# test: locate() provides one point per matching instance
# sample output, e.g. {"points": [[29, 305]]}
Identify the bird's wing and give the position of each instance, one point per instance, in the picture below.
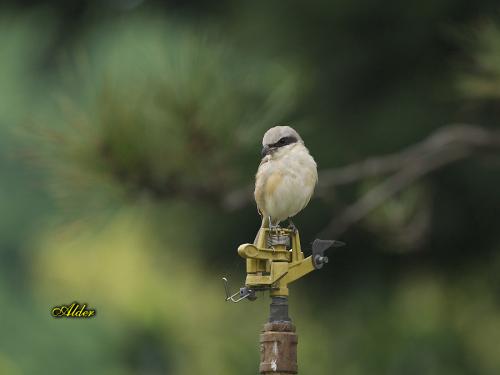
{"points": [[259, 185]]}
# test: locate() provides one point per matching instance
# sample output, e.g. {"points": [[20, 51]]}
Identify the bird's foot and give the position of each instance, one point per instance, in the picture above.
{"points": [[272, 227], [292, 226], [275, 228]]}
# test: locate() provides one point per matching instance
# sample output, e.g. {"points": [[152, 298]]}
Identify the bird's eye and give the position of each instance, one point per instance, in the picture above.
{"points": [[285, 141]]}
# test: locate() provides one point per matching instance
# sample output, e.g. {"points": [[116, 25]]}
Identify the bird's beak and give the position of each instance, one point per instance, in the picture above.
{"points": [[266, 150]]}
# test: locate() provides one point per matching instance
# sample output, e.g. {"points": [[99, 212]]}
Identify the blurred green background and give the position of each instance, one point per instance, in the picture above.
{"points": [[130, 132]]}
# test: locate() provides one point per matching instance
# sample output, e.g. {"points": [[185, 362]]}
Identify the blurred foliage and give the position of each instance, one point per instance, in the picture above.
{"points": [[172, 89], [483, 81], [140, 118], [405, 219]]}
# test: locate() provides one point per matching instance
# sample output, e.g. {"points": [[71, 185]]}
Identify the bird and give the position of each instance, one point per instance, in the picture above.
{"points": [[286, 177]]}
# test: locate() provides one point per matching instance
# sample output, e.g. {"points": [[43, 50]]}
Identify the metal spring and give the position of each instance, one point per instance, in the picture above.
{"points": [[278, 239]]}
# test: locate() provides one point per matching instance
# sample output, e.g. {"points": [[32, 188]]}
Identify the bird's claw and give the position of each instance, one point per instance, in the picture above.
{"points": [[273, 228], [292, 226]]}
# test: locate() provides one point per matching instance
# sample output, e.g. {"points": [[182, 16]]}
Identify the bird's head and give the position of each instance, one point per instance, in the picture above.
{"points": [[279, 138]]}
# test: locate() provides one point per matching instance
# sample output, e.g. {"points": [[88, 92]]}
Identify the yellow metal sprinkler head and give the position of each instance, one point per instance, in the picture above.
{"points": [[275, 260]]}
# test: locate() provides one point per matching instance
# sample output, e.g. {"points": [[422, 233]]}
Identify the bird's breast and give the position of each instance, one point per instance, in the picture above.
{"points": [[285, 184]]}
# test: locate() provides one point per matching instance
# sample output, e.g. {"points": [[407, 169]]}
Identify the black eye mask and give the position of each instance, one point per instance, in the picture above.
{"points": [[284, 141], [268, 149]]}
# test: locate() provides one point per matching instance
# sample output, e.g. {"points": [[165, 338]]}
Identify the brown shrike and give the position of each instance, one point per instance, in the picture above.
{"points": [[286, 177]]}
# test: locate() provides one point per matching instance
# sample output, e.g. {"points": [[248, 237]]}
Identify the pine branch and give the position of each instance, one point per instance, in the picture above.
{"points": [[446, 145]]}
